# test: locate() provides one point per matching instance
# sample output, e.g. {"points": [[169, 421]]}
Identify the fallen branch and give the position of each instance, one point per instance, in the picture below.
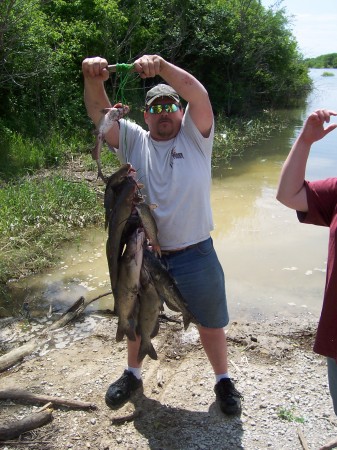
{"points": [[17, 427], [9, 359], [13, 357], [302, 439], [29, 397], [74, 311], [330, 445], [27, 443]]}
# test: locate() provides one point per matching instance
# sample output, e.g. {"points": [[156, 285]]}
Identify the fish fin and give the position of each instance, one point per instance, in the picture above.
{"points": [[121, 332], [186, 320], [119, 335], [130, 332], [155, 330], [105, 110], [146, 349]]}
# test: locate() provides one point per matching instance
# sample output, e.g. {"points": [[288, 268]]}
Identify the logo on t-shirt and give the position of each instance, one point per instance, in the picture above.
{"points": [[175, 155]]}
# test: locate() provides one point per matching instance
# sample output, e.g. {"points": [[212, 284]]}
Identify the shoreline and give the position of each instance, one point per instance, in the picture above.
{"points": [[272, 363]]}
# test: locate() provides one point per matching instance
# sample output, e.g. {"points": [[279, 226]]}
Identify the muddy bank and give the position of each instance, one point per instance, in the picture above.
{"points": [[284, 386]]}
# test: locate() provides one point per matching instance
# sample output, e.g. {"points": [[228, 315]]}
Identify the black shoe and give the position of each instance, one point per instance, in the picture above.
{"points": [[120, 391], [228, 397]]}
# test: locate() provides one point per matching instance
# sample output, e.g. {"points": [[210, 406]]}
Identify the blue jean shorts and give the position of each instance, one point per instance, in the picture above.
{"points": [[201, 281], [332, 376]]}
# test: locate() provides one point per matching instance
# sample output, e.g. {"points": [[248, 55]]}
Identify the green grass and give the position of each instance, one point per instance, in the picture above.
{"points": [[21, 155], [289, 415], [37, 216], [234, 135], [328, 74]]}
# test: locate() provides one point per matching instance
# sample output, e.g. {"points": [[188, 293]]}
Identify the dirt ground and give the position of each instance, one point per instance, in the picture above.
{"points": [[283, 382]]}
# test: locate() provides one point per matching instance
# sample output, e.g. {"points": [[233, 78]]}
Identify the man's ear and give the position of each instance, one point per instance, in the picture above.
{"points": [[145, 116]]}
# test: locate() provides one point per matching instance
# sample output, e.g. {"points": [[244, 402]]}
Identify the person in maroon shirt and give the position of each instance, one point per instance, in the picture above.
{"points": [[316, 203]]}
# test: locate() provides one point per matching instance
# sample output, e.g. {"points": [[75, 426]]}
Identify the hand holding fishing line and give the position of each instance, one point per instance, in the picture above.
{"points": [[112, 68], [147, 66]]}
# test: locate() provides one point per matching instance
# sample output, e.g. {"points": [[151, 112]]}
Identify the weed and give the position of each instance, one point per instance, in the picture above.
{"points": [[234, 135], [328, 74], [36, 216], [289, 416]]}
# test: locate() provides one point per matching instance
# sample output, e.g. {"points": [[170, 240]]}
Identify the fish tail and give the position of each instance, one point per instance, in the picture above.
{"points": [[155, 330], [186, 320], [122, 331], [120, 334], [146, 348]]}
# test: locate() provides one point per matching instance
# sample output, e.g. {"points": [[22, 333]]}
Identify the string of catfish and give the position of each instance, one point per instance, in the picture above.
{"points": [[139, 282]]}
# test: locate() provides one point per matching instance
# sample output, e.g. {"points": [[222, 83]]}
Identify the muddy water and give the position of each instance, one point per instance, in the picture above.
{"points": [[273, 264]]}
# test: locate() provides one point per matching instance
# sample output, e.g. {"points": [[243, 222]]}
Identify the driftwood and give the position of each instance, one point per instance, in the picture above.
{"points": [[330, 445], [11, 358], [74, 311], [302, 439], [29, 397], [14, 429], [14, 356]]}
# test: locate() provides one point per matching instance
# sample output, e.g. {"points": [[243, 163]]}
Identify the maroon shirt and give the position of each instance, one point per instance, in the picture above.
{"points": [[322, 203]]}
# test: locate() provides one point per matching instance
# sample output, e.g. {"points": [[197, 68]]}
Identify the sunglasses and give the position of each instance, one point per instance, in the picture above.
{"points": [[158, 109]]}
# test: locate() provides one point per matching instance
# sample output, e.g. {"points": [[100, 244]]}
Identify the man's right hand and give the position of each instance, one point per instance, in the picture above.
{"points": [[95, 69]]}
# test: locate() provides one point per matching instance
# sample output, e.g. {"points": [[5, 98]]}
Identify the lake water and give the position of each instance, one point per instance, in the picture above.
{"points": [[273, 264]]}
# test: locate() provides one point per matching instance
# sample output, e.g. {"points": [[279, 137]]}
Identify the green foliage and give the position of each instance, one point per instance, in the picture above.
{"points": [[36, 216], [44, 202], [289, 416], [233, 135], [21, 155], [249, 58], [328, 61], [244, 54]]}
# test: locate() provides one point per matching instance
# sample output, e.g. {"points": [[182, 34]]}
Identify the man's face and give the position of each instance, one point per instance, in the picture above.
{"points": [[164, 125]]}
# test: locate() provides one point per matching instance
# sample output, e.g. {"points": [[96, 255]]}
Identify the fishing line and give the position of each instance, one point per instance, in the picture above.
{"points": [[123, 72]]}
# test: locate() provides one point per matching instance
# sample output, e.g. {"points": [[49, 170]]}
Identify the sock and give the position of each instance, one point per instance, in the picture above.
{"points": [[221, 376], [137, 371]]}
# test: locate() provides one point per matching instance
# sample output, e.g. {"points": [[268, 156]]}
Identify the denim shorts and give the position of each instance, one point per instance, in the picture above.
{"points": [[332, 376], [201, 281]]}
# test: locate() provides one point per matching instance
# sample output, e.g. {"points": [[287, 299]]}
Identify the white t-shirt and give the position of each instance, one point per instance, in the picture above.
{"points": [[176, 175]]}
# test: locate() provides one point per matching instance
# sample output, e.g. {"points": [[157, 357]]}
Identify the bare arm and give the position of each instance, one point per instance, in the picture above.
{"points": [[185, 84], [148, 66], [291, 191], [95, 98]]}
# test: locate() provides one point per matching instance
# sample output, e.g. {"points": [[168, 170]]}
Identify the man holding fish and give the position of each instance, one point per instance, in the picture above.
{"points": [[173, 160]]}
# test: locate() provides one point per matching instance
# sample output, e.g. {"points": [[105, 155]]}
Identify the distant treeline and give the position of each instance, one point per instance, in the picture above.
{"points": [[328, 61]]}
